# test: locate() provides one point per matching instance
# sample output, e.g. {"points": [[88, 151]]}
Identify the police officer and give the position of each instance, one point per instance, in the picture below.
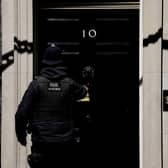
{"points": [[46, 112]]}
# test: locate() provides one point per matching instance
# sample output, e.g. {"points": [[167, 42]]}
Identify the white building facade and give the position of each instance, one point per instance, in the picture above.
{"points": [[17, 25]]}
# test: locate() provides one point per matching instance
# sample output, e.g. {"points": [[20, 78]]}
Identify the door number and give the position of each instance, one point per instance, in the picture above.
{"points": [[90, 33]]}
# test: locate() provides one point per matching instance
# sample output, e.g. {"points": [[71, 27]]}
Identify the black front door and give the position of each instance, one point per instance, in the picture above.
{"points": [[108, 41]]}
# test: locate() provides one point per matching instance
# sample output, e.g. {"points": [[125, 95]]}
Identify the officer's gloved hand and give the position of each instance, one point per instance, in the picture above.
{"points": [[36, 160], [88, 74]]}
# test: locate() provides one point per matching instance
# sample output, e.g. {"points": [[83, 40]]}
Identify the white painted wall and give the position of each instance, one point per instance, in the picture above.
{"points": [[8, 147], [151, 121], [24, 62], [165, 85], [16, 21]]}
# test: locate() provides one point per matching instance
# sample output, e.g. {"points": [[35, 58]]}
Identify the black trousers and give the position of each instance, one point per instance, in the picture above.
{"points": [[52, 155]]}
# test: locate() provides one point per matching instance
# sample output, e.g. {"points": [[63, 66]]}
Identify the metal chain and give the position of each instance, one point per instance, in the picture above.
{"points": [[20, 47]]}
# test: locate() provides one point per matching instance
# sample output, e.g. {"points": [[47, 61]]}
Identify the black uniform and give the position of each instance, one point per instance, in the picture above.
{"points": [[46, 112]]}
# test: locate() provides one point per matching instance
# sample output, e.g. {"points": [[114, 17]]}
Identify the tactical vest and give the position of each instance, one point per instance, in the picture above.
{"points": [[51, 119]]}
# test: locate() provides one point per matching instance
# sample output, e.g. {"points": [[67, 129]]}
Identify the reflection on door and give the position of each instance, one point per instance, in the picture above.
{"points": [[107, 124]]}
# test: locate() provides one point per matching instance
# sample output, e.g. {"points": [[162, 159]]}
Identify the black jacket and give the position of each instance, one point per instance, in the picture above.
{"points": [[36, 111]]}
